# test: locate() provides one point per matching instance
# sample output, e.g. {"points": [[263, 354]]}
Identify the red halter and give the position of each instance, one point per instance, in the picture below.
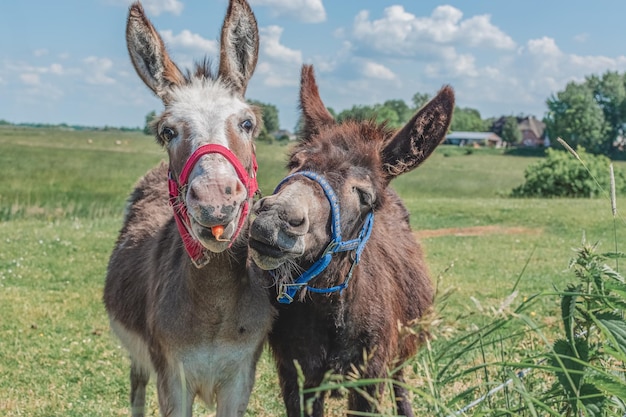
{"points": [[197, 252]]}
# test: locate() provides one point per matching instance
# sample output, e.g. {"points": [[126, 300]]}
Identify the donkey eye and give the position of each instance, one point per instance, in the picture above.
{"points": [[365, 198], [247, 125], [168, 134]]}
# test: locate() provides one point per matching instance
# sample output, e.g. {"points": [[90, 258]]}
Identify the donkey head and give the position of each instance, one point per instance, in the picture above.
{"points": [[207, 128], [357, 160]]}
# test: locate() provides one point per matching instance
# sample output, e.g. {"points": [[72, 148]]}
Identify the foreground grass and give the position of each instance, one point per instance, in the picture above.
{"points": [[61, 203]]}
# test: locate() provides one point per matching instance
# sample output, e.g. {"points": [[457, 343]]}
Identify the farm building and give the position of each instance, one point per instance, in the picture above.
{"points": [[474, 139], [533, 131]]}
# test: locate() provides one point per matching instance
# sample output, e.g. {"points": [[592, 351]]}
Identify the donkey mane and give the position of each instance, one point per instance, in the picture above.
{"points": [[203, 70]]}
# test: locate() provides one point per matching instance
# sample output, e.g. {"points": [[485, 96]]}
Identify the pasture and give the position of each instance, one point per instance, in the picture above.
{"points": [[62, 196]]}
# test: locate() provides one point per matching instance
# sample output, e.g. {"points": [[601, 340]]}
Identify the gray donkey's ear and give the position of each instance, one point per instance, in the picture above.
{"points": [[417, 140], [239, 48], [148, 54]]}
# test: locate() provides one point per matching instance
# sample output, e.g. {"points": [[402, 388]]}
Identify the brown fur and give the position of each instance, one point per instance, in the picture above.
{"points": [[199, 329], [390, 287]]}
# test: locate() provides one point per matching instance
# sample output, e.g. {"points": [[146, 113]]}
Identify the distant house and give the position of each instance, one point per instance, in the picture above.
{"points": [[533, 131], [475, 139], [284, 133]]}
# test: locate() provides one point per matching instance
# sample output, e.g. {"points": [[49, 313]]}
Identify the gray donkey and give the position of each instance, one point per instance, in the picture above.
{"points": [[177, 292]]}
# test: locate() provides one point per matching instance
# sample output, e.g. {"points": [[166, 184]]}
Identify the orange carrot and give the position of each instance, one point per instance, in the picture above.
{"points": [[218, 231]]}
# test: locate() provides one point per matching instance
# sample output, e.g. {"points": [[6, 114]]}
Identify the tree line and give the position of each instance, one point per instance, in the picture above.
{"points": [[589, 114]]}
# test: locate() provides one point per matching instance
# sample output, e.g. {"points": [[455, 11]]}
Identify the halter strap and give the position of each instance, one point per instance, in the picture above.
{"points": [[287, 292], [199, 254]]}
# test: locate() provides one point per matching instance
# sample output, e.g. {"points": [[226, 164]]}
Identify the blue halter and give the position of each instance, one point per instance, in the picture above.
{"points": [[287, 292]]}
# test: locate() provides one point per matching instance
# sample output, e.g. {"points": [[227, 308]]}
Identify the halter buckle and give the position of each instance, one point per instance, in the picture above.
{"points": [[330, 248], [283, 297]]}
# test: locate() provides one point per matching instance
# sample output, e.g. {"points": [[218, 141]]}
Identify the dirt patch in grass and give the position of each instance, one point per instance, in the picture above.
{"points": [[477, 231]]}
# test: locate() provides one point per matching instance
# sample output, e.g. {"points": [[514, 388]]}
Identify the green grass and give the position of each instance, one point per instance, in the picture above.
{"points": [[62, 196]]}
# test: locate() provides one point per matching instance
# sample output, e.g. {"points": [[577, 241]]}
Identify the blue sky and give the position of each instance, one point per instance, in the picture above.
{"points": [[65, 61]]}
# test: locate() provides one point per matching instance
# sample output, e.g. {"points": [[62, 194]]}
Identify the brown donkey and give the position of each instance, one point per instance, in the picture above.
{"points": [[177, 292], [364, 277]]}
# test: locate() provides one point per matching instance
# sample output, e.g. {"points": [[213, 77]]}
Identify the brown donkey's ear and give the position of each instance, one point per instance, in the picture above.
{"points": [[148, 54], [239, 48], [314, 113], [420, 136]]}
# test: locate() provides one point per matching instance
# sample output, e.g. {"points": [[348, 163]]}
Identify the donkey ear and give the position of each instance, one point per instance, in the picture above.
{"points": [[314, 114], [420, 136], [239, 48], [148, 54]]}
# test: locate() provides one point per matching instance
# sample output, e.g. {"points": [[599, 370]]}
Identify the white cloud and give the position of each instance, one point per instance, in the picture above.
{"points": [[30, 79], [478, 31], [156, 7], [308, 11], [191, 41], [271, 46], [402, 33], [545, 47], [96, 72], [521, 82], [279, 65], [379, 71], [40, 52], [56, 69]]}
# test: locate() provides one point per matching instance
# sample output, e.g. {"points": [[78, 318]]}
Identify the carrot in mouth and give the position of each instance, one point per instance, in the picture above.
{"points": [[218, 231]]}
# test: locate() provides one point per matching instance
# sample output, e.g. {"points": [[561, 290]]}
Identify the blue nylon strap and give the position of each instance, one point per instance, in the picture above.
{"points": [[288, 291]]}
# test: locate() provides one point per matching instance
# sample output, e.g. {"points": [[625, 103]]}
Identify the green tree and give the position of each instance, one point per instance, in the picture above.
{"points": [[419, 99], [387, 115], [270, 116], [510, 131], [466, 119], [575, 115], [401, 109], [357, 112], [147, 129], [609, 92], [271, 122]]}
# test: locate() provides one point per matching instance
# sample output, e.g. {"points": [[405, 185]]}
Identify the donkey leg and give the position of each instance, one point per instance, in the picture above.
{"points": [[359, 403], [175, 398], [402, 397], [291, 394], [138, 380], [233, 395]]}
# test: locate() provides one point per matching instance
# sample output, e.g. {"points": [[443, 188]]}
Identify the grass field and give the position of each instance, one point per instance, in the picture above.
{"points": [[62, 195]]}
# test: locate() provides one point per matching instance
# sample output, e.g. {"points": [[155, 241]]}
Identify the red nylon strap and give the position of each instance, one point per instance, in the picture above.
{"points": [[196, 251], [249, 182]]}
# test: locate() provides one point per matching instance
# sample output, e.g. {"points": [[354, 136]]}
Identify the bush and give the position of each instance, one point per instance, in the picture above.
{"points": [[562, 175]]}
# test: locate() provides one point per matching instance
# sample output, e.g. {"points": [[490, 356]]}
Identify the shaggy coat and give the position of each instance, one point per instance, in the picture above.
{"points": [[365, 330], [199, 325]]}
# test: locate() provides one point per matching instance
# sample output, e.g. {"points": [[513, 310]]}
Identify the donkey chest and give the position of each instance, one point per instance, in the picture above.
{"points": [[204, 318], [319, 335]]}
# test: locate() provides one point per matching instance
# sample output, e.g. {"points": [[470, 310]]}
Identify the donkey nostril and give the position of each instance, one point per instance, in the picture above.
{"points": [[260, 206], [192, 194], [239, 188], [296, 222]]}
